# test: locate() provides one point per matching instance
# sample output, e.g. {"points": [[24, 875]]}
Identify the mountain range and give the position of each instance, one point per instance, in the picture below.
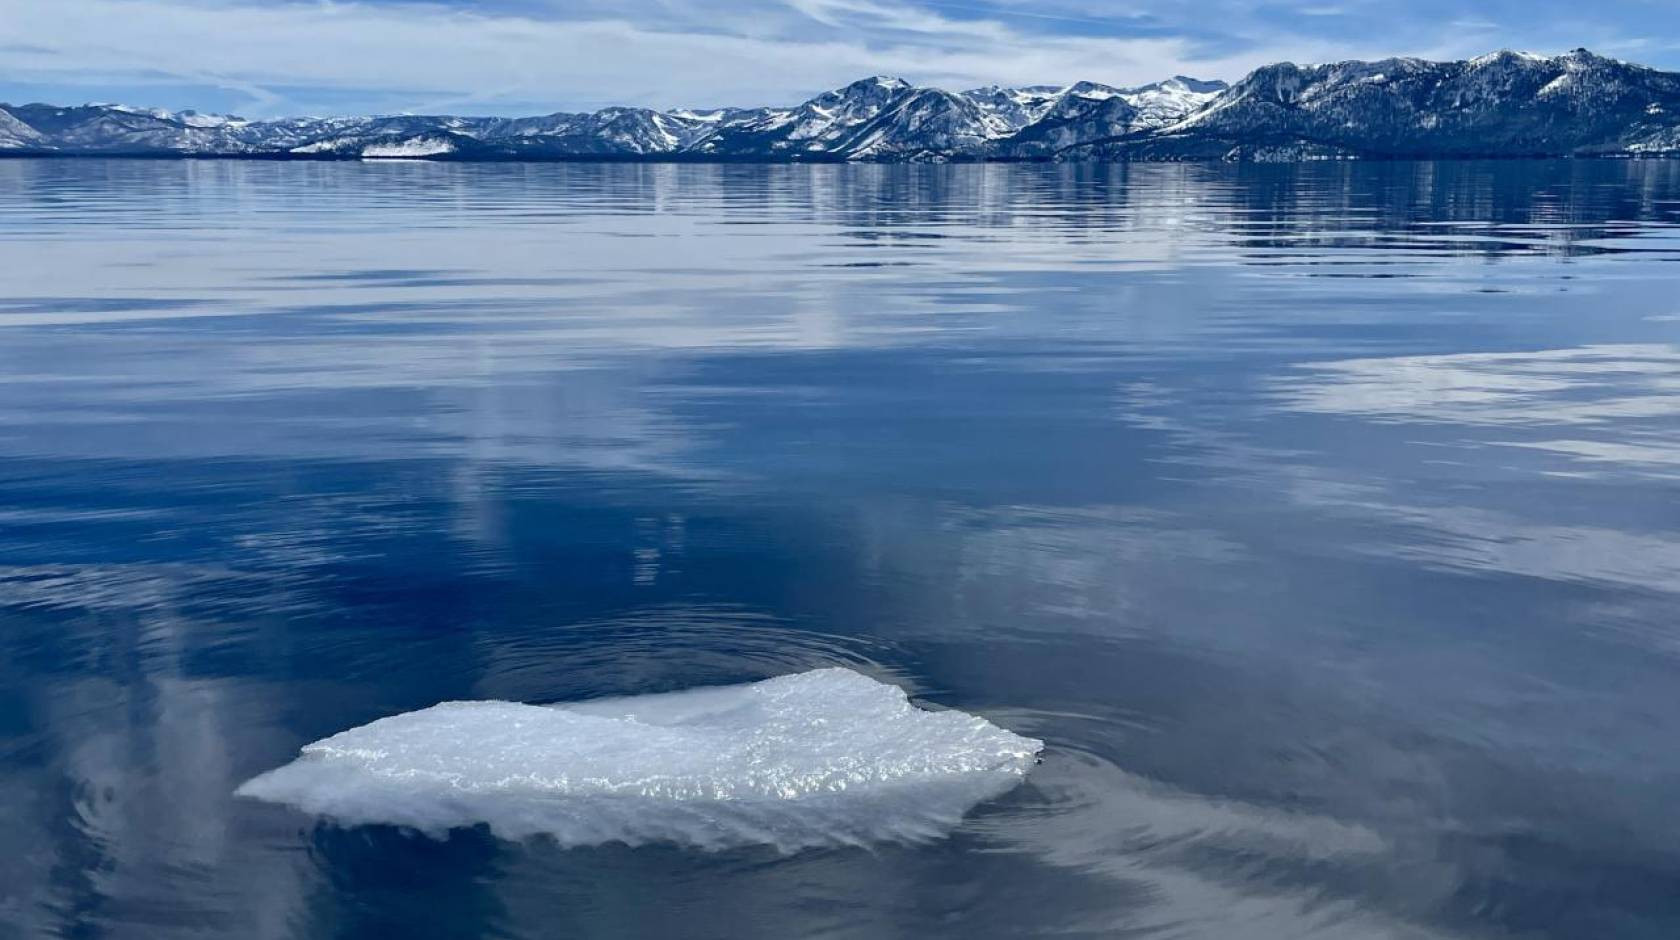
{"points": [[1506, 104]]}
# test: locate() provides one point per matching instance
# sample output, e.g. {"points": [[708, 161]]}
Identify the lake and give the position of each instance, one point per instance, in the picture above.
{"points": [[1320, 519]]}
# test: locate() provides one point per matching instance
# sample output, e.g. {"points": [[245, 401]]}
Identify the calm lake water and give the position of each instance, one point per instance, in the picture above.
{"points": [[1321, 520]]}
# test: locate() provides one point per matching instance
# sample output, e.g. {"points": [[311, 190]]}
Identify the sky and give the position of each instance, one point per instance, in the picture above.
{"points": [[270, 58]]}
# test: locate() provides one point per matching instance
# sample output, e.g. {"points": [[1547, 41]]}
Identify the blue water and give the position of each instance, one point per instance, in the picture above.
{"points": [[1321, 520]]}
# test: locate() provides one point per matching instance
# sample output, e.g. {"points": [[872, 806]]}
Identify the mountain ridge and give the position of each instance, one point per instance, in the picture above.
{"points": [[1506, 103]]}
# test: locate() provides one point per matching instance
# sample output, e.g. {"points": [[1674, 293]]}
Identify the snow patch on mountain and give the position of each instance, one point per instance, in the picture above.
{"points": [[409, 149]]}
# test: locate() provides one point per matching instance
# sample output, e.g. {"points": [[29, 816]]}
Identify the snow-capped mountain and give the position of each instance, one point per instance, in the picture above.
{"points": [[875, 118], [1017, 107], [1171, 101], [616, 132], [1504, 104], [1087, 111]]}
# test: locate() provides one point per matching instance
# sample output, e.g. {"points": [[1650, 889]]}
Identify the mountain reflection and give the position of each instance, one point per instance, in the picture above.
{"points": [[1318, 517]]}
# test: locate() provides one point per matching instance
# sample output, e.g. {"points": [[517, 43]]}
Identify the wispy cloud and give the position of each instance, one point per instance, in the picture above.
{"points": [[524, 55]]}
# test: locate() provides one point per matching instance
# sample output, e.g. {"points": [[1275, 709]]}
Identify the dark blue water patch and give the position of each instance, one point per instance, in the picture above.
{"points": [[375, 275], [61, 305], [1317, 518]]}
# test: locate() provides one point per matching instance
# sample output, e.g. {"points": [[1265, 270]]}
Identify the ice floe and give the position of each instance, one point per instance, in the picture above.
{"points": [[820, 758]]}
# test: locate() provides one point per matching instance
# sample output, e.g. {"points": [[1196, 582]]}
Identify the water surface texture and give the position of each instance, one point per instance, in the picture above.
{"points": [[1321, 520]]}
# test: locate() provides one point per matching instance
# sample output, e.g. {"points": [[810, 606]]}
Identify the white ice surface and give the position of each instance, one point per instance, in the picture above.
{"points": [[827, 757]]}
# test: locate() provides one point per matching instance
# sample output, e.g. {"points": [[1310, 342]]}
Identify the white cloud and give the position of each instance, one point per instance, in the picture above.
{"points": [[432, 56]]}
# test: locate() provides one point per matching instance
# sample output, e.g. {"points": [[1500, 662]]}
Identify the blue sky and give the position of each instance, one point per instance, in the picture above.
{"points": [[264, 58]]}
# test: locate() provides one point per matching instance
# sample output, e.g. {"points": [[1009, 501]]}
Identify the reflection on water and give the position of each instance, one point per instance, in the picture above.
{"points": [[1319, 519]]}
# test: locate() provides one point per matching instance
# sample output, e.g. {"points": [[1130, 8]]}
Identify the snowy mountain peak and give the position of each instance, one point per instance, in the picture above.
{"points": [[1195, 85], [874, 85], [1181, 85], [706, 115], [188, 118], [1091, 90], [1029, 90], [1508, 56]]}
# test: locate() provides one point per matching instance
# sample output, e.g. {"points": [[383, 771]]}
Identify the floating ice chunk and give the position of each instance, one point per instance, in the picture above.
{"points": [[827, 757]]}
